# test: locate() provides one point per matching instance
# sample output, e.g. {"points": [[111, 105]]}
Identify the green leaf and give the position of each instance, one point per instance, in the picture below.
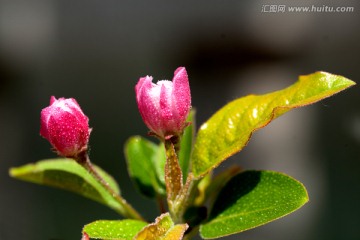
{"points": [[162, 229], [229, 129], [146, 161], [159, 163], [69, 175], [251, 199], [219, 182], [186, 145], [108, 229]]}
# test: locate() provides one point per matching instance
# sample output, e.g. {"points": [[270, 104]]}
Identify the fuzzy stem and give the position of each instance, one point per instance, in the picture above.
{"points": [[173, 178], [160, 203], [128, 211]]}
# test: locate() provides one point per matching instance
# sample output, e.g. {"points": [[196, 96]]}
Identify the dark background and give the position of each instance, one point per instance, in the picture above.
{"points": [[95, 51]]}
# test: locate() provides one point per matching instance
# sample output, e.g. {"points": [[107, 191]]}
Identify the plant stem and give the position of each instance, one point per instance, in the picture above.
{"points": [[175, 140], [186, 196], [173, 178], [128, 211], [160, 202]]}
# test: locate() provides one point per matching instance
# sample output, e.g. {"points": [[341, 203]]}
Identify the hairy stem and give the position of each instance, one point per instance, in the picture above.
{"points": [[127, 210]]}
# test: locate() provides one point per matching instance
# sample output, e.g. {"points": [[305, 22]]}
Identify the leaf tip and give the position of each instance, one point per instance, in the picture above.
{"points": [[12, 172], [336, 80], [16, 172]]}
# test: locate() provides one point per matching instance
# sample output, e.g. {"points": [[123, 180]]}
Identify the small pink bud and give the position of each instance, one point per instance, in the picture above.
{"points": [[65, 126], [164, 106], [85, 236]]}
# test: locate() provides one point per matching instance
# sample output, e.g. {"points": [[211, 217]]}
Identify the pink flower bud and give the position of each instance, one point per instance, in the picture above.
{"points": [[85, 236], [65, 126], [164, 106]]}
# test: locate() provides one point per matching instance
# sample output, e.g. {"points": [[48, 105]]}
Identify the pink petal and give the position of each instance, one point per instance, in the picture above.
{"points": [[182, 92], [77, 112], [66, 134], [169, 115], [65, 126], [140, 84], [52, 100], [149, 106], [44, 118]]}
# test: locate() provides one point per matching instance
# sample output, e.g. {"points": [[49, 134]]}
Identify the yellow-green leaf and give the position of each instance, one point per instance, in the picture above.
{"points": [[114, 229], [162, 229], [69, 175], [229, 129], [176, 232], [157, 229]]}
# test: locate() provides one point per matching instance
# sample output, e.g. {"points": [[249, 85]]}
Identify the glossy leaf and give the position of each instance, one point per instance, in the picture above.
{"points": [[108, 229], [69, 175], [229, 129], [163, 228], [159, 163], [250, 199], [218, 182], [146, 161], [186, 145]]}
